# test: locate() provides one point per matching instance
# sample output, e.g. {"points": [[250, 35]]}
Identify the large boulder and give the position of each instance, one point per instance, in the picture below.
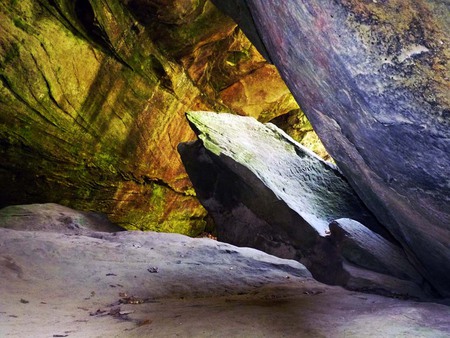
{"points": [[373, 79], [266, 191]]}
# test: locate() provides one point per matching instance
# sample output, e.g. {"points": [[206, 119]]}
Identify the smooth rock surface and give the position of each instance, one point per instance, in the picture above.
{"points": [[53, 217], [137, 284], [373, 79], [266, 191], [362, 247], [373, 263]]}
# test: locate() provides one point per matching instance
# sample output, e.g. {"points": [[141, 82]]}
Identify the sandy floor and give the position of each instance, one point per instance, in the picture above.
{"points": [[55, 283]]}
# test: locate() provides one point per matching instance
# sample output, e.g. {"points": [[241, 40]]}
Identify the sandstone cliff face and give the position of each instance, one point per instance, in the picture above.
{"points": [[93, 96]]}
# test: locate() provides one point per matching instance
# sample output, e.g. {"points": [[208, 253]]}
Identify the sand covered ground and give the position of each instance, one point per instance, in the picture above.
{"points": [[60, 277]]}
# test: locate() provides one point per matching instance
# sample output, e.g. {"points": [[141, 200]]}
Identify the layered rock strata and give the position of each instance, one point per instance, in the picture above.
{"points": [[92, 102]]}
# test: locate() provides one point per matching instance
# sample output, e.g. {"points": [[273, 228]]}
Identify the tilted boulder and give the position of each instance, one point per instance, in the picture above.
{"points": [[266, 191], [373, 79]]}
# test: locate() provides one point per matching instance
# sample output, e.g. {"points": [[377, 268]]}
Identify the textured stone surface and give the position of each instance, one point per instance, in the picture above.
{"points": [[372, 262], [313, 188], [373, 79], [92, 102], [52, 217], [266, 191], [362, 247], [60, 284]]}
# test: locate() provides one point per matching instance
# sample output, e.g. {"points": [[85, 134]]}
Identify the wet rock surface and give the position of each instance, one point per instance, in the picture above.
{"points": [[266, 191], [135, 284], [373, 79]]}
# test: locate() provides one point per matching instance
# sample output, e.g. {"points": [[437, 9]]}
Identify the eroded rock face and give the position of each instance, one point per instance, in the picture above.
{"points": [[373, 79], [266, 191], [93, 96]]}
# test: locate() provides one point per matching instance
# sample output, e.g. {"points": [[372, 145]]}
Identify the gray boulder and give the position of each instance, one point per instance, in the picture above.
{"points": [[266, 191], [51, 217], [370, 260]]}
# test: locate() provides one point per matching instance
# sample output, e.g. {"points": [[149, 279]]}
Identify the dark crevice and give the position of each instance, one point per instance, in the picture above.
{"points": [[94, 31], [8, 86], [162, 183], [56, 11], [161, 74], [144, 12], [127, 176], [86, 16]]}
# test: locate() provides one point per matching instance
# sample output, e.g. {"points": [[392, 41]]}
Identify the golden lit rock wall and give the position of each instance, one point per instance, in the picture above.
{"points": [[93, 96]]}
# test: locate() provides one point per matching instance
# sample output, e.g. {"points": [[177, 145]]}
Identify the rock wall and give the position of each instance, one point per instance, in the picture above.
{"points": [[93, 95], [373, 79]]}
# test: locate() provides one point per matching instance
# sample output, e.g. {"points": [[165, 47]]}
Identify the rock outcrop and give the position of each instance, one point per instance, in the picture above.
{"points": [[54, 283], [266, 191], [373, 79], [51, 217], [92, 102]]}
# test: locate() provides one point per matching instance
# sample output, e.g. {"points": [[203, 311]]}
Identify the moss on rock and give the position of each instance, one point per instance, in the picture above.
{"points": [[93, 96]]}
